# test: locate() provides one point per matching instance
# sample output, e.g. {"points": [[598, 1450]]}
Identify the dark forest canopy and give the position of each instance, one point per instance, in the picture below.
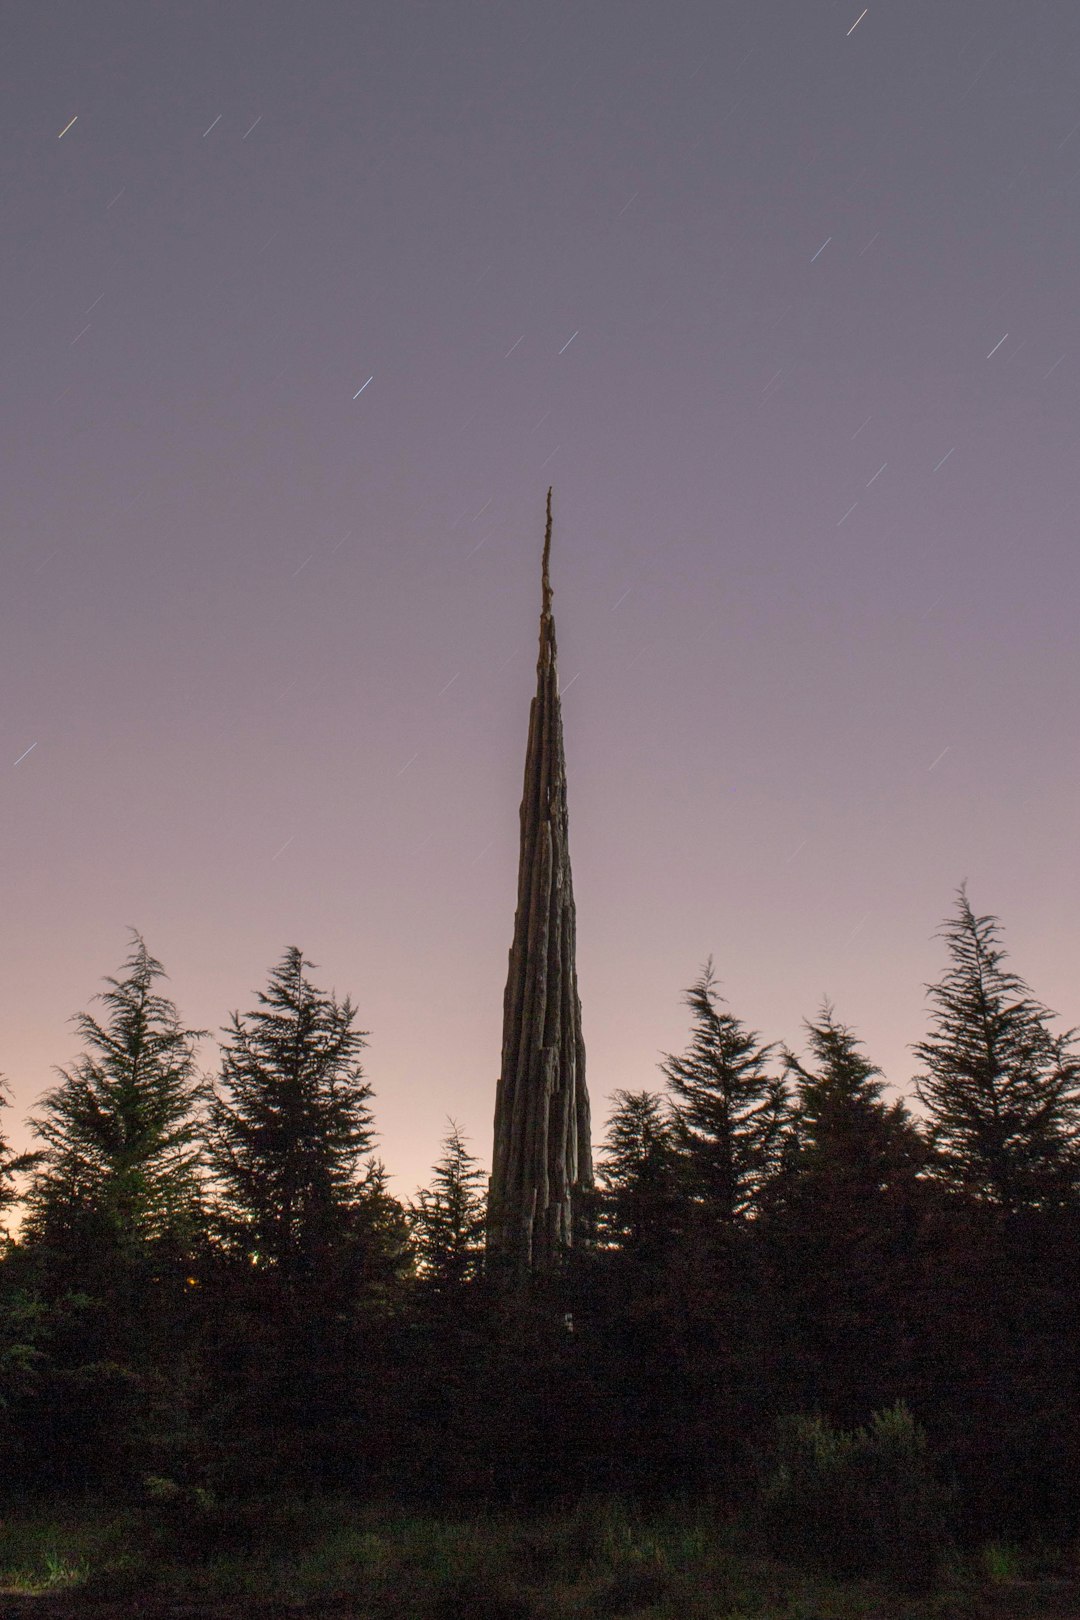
{"points": [[214, 1286]]}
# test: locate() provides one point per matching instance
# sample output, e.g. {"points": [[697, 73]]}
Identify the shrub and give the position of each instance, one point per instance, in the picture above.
{"points": [[859, 1502], [468, 1599]]}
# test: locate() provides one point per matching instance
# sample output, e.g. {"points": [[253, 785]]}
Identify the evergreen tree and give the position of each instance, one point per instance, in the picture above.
{"points": [[290, 1124], [448, 1218], [841, 1234], [841, 1126], [636, 1173], [113, 1228], [11, 1164], [381, 1236], [1002, 1091], [121, 1131], [730, 1112], [312, 1243]]}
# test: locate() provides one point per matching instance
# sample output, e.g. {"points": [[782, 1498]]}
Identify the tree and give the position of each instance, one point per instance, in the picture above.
{"points": [[637, 1174], [841, 1236], [1002, 1091], [448, 1218], [730, 1113], [113, 1227], [11, 1164], [310, 1240], [290, 1124], [444, 1354], [842, 1128], [121, 1132]]}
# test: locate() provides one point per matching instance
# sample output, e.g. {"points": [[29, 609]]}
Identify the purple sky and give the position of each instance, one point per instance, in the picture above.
{"points": [[783, 302]]}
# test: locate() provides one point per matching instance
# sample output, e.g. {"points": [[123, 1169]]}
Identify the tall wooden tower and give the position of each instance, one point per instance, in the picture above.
{"points": [[542, 1160]]}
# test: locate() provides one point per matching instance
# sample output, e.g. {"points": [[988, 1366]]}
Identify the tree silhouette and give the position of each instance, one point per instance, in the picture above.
{"points": [[841, 1233], [11, 1164], [637, 1174], [730, 1112], [290, 1124], [1002, 1091], [114, 1226], [841, 1126], [448, 1218], [121, 1131]]}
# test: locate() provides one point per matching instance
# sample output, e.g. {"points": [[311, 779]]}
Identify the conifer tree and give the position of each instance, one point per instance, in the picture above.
{"points": [[842, 1127], [840, 1239], [11, 1164], [290, 1124], [121, 1131], [113, 1227], [636, 1173], [448, 1218], [730, 1111], [380, 1233], [1002, 1091]]}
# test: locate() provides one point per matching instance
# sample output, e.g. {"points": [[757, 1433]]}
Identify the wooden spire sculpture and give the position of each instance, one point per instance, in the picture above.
{"points": [[542, 1159]]}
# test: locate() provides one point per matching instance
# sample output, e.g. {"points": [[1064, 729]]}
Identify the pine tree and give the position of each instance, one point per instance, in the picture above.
{"points": [[121, 1132], [730, 1112], [842, 1128], [290, 1124], [448, 1218], [841, 1237], [380, 1236], [1001, 1090], [637, 1174], [113, 1229], [11, 1164]]}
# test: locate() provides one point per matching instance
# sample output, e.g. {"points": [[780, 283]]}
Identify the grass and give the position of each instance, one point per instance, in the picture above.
{"points": [[599, 1561]]}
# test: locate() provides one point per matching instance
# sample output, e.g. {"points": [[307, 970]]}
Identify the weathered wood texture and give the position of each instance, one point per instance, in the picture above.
{"points": [[542, 1159]]}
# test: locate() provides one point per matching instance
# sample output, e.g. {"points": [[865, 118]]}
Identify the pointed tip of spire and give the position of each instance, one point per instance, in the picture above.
{"points": [[546, 610]]}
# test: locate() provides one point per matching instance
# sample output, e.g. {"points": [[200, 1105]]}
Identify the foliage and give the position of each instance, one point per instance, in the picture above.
{"points": [[121, 1132], [448, 1218], [855, 1502], [1002, 1091], [841, 1234], [841, 1126], [11, 1164], [290, 1124], [638, 1174], [730, 1112], [769, 1240], [598, 1557]]}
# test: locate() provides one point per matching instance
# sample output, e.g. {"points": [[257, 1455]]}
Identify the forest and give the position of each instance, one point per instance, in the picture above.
{"points": [[793, 1305]]}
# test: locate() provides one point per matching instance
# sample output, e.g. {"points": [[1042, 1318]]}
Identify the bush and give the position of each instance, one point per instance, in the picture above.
{"points": [[854, 1503], [469, 1599]]}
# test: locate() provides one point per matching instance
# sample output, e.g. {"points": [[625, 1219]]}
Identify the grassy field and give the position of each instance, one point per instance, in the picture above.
{"points": [[180, 1554]]}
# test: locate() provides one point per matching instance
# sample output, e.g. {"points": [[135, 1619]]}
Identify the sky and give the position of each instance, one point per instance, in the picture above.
{"points": [[305, 305]]}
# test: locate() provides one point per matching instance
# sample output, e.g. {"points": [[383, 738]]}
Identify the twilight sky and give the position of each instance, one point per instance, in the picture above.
{"points": [[302, 314]]}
